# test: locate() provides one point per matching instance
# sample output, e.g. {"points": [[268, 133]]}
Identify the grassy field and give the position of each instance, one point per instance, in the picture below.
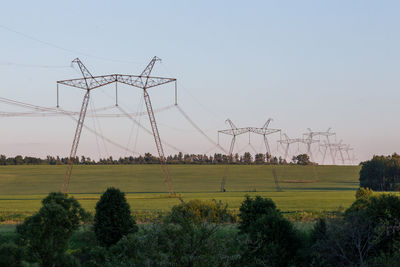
{"points": [[305, 188]]}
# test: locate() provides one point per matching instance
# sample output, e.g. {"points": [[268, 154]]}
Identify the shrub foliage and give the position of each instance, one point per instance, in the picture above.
{"points": [[113, 218], [46, 234]]}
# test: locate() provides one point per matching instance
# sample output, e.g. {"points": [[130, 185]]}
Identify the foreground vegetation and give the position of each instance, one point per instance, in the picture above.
{"points": [[308, 191], [203, 233]]}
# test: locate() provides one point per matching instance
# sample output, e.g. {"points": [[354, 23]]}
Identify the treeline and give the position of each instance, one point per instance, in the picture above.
{"points": [[381, 173], [203, 233], [180, 158]]}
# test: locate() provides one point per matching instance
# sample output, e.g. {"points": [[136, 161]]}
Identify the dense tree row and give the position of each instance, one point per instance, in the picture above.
{"points": [[381, 173], [147, 158], [204, 233]]}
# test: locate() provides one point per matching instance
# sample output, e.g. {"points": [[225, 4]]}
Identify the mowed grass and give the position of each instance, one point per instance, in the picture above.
{"points": [[305, 188]]}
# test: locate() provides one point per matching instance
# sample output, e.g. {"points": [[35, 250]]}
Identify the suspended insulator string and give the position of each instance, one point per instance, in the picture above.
{"points": [[198, 128], [147, 130]]}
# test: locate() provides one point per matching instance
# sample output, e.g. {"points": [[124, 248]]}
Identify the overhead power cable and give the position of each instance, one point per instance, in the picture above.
{"points": [[198, 128], [147, 130], [2, 63], [103, 137], [63, 48]]}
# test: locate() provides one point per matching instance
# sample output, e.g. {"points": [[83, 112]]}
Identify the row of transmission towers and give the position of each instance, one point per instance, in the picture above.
{"points": [[313, 142], [325, 141]]}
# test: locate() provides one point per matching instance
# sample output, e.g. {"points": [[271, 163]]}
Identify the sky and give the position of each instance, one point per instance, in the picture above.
{"points": [[306, 64]]}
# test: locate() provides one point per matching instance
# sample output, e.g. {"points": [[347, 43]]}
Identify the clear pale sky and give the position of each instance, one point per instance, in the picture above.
{"points": [[306, 64]]}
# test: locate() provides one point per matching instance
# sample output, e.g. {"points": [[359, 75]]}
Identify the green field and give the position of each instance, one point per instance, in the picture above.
{"points": [[305, 188]]}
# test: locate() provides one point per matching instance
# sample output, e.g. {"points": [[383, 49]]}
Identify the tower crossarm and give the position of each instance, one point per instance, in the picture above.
{"points": [[264, 131], [234, 132], [309, 140], [90, 83], [291, 141], [132, 80], [312, 134], [143, 81]]}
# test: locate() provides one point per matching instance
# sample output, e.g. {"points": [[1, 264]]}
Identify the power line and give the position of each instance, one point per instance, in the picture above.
{"points": [[75, 52], [14, 64]]}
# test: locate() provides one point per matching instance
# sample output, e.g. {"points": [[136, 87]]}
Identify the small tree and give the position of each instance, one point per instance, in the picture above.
{"points": [[113, 218], [272, 239], [364, 193], [10, 254], [201, 211], [302, 159], [252, 209], [46, 233]]}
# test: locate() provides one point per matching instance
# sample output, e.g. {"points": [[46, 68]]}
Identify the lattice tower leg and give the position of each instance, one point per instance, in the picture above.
{"points": [[331, 152], [223, 181], [75, 143], [286, 151], [267, 145], [157, 139], [323, 157]]}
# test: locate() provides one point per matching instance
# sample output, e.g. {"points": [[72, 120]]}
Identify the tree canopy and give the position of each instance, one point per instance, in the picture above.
{"points": [[381, 173]]}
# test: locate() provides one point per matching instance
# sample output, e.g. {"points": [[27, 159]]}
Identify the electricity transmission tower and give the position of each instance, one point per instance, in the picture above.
{"points": [[335, 147], [344, 148], [234, 131], [264, 131], [143, 81], [347, 149], [311, 134], [288, 141]]}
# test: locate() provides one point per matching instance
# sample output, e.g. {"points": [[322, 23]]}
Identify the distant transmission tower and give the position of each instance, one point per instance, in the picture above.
{"points": [[310, 136], [347, 149], [335, 148], [344, 148], [264, 131], [234, 131], [288, 141]]}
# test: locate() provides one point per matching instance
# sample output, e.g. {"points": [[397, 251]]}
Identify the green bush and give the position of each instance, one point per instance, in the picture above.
{"points": [[113, 218], [364, 193], [368, 234], [198, 211], [81, 244], [252, 209], [46, 234], [11, 254], [272, 239], [167, 244]]}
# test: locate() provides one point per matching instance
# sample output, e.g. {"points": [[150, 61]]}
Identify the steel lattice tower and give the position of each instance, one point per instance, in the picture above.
{"points": [[143, 81]]}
